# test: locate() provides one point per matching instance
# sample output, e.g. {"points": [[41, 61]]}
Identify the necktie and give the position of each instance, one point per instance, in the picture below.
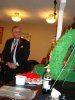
{"points": [[14, 45], [13, 49]]}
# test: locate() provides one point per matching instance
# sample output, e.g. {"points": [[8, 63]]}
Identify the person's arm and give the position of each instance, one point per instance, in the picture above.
{"points": [[5, 52]]}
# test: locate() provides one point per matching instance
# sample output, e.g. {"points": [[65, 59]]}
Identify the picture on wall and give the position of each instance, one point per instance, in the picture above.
{"points": [[1, 34]]}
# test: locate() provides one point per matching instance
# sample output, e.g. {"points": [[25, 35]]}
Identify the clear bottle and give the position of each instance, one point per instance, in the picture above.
{"points": [[47, 82]]}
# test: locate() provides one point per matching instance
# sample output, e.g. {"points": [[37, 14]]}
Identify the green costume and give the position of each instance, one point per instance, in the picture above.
{"points": [[64, 51]]}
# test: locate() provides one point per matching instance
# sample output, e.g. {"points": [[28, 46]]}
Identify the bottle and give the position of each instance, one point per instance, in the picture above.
{"points": [[47, 82]]}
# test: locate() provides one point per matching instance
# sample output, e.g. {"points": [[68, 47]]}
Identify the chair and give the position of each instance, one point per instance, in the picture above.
{"points": [[32, 63]]}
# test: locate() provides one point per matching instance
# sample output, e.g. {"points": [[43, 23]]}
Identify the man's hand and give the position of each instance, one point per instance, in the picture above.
{"points": [[11, 65]]}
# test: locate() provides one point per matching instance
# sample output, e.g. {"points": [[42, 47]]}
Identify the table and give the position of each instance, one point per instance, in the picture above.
{"points": [[67, 88]]}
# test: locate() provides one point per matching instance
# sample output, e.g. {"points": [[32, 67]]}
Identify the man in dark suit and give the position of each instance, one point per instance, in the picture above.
{"points": [[15, 55]]}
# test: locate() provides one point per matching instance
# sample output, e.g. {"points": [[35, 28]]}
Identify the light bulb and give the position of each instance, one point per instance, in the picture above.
{"points": [[16, 17]]}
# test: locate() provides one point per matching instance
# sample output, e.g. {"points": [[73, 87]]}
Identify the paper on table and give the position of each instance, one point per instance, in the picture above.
{"points": [[55, 94], [17, 92]]}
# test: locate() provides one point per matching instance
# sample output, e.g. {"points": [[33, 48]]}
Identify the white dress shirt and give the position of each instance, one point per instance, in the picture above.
{"points": [[15, 42]]}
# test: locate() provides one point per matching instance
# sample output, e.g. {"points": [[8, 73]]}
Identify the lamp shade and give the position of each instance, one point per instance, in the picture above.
{"points": [[16, 17]]}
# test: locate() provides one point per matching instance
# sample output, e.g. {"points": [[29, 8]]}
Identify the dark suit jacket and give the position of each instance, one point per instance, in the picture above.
{"points": [[22, 51]]}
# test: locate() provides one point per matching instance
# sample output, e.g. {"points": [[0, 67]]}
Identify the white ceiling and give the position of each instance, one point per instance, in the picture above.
{"points": [[34, 11]]}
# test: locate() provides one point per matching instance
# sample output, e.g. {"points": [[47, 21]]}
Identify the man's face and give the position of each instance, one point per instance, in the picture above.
{"points": [[16, 32]]}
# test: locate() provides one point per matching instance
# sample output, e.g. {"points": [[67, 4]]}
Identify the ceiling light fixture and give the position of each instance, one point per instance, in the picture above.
{"points": [[16, 17], [52, 17]]}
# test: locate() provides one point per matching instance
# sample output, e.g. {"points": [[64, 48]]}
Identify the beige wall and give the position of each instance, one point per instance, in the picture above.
{"points": [[41, 36]]}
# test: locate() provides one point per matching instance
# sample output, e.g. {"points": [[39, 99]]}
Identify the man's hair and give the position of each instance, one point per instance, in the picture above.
{"points": [[15, 27]]}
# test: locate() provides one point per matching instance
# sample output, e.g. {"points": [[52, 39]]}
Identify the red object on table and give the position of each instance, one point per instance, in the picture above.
{"points": [[30, 75]]}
